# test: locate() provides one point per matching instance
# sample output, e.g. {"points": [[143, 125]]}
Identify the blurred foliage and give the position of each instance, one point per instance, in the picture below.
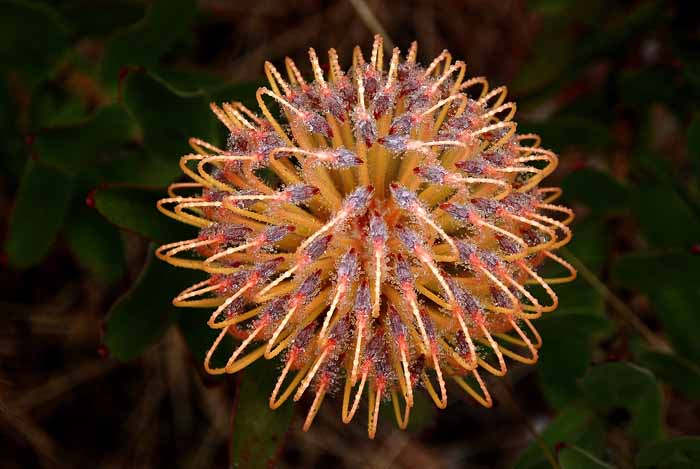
{"points": [[97, 105]]}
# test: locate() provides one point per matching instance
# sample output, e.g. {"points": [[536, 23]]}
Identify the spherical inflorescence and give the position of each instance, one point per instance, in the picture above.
{"points": [[384, 233]]}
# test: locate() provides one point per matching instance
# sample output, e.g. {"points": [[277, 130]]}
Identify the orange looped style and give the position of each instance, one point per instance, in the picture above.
{"points": [[382, 226]]}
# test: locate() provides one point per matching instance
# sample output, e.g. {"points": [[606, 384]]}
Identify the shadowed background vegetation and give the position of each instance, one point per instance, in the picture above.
{"points": [[97, 101]]}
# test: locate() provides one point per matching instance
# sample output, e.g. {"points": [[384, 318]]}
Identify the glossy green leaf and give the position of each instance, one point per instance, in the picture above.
{"points": [[79, 147], [140, 317], [89, 18], [676, 308], [132, 166], [549, 60], [682, 374], [665, 218], [573, 457], [51, 107], [562, 132], [589, 247], [96, 244], [258, 432], [675, 453], [647, 272], [134, 208], [694, 139], [165, 23], [242, 92], [12, 146], [670, 280], [573, 425], [568, 341], [192, 324], [41, 206], [643, 87], [610, 40], [597, 190], [612, 386], [34, 39], [166, 119]]}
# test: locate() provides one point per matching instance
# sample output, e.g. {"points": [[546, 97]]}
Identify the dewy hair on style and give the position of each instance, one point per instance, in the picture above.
{"points": [[378, 230]]}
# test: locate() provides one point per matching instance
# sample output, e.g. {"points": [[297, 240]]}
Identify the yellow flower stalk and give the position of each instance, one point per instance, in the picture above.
{"points": [[378, 230]]}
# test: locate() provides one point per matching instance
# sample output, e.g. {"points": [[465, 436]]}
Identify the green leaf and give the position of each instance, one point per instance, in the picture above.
{"points": [[12, 145], [612, 38], [96, 244], [642, 87], [166, 119], [549, 60], [258, 432], [192, 324], [75, 148], [52, 107], [34, 39], [647, 272], [40, 208], [572, 425], [100, 19], [675, 453], [132, 166], [670, 280], [694, 139], [573, 457], [676, 308], [565, 355], [140, 317], [612, 386], [589, 246], [165, 23], [682, 374], [134, 208], [665, 218], [562, 132], [243, 92], [596, 189]]}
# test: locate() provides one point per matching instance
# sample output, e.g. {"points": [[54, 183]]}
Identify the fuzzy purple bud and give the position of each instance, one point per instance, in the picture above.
{"points": [[395, 143], [377, 229], [276, 308], [409, 238], [315, 123], [358, 200], [403, 124], [383, 101], [342, 158], [309, 286], [473, 167], [403, 272], [466, 250], [432, 173], [298, 193], [486, 207], [459, 212], [403, 197], [398, 328], [365, 126], [347, 268], [363, 302], [317, 247]]}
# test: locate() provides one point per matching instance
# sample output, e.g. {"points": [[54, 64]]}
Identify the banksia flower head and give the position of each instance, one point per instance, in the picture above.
{"points": [[378, 230]]}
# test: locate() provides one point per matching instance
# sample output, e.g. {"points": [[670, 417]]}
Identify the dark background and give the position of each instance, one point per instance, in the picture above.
{"points": [[97, 100]]}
